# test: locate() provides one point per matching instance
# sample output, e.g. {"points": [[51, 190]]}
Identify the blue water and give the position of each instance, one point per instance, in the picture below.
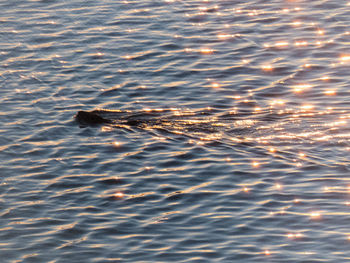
{"points": [[270, 184]]}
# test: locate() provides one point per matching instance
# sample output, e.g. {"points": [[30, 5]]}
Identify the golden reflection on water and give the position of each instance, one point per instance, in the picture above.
{"points": [[207, 51], [225, 36], [301, 43], [246, 189], [272, 149], [294, 235], [278, 102], [330, 92], [278, 44], [116, 144], [301, 121], [293, 126], [267, 67], [301, 87], [118, 195], [315, 215], [278, 186], [296, 23], [345, 58], [215, 85], [255, 164], [293, 123], [296, 201]]}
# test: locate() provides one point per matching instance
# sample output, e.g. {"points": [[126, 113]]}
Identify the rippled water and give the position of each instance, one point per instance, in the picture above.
{"points": [[255, 168]]}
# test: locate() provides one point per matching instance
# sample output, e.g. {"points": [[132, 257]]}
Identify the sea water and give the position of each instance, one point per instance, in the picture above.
{"points": [[273, 187]]}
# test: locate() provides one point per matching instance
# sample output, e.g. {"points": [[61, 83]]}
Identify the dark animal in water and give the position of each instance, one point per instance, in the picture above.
{"points": [[93, 118], [172, 120], [90, 118], [207, 124]]}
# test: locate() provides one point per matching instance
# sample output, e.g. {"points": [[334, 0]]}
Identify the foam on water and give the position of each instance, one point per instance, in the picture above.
{"points": [[246, 156]]}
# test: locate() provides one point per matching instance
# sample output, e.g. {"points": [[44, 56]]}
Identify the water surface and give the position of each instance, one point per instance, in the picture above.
{"points": [[255, 168]]}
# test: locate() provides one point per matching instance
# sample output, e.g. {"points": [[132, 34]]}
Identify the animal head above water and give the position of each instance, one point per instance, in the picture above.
{"points": [[90, 118]]}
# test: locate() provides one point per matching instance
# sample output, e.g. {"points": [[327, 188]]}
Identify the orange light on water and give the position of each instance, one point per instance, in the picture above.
{"points": [[330, 92], [345, 58], [294, 235], [118, 195], [267, 252], [277, 102], [253, 13], [301, 43], [207, 51], [116, 144], [296, 23], [278, 186], [337, 123], [272, 150], [246, 189], [296, 201], [267, 67], [215, 85], [98, 54], [301, 87], [306, 107], [127, 57], [225, 36], [281, 44], [320, 32], [106, 128], [298, 235], [255, 164], [315, 215], [302, 155]]}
